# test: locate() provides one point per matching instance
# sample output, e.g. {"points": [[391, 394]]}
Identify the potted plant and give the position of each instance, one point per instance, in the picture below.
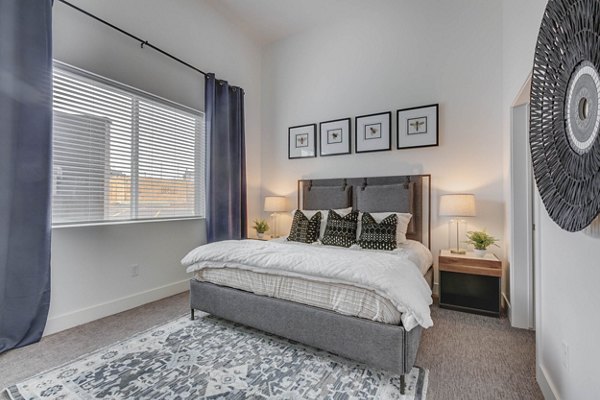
{"points": [[481, 240], [260, 226]]}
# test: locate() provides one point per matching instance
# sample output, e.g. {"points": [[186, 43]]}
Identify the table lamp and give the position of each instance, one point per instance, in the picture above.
{"points": [[274, 205], [456, 206]]}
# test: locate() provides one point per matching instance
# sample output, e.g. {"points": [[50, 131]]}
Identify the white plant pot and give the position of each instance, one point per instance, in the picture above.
{"points": [[260, 235], [480, 253]]}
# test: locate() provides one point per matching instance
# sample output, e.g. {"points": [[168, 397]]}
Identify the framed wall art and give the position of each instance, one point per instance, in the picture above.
{"points": [[334, 137], [301, 141], [418, 127], [373, 132]]}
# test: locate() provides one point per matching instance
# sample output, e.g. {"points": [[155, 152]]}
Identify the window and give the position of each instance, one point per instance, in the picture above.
{"points": [[121, 154]]}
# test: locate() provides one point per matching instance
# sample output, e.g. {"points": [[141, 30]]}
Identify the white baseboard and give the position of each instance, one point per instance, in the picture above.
{"points": [[548, 389], [92, 313]]}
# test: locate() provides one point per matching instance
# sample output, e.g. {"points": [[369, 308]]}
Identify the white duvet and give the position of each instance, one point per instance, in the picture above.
{"points": [[390, 274]]}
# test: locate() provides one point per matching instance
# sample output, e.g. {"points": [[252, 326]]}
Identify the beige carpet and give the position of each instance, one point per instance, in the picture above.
{"points": [[469, 357], [475, 357]]}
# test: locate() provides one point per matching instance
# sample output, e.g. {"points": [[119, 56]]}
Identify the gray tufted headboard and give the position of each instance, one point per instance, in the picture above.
{"points": [[407, 193]]}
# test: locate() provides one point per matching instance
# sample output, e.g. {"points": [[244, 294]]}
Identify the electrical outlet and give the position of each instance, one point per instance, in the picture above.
{"points": [[135, 270], [565, 355]]}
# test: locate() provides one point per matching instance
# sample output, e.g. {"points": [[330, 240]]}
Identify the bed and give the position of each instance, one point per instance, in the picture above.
{"points": [[344, 310]]}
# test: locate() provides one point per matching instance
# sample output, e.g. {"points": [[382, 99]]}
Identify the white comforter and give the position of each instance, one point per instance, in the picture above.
{"points": [[391, 274]]}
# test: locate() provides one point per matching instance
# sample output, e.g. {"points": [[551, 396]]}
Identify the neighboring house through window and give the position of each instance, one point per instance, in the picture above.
{"points": [[121, 154]]}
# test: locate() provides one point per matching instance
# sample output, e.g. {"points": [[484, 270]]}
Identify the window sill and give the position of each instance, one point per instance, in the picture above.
{"points": [[128, 222]]}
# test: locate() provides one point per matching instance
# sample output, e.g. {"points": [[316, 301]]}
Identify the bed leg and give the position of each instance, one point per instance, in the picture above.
{"points": [[402, 384], [192, 317]]}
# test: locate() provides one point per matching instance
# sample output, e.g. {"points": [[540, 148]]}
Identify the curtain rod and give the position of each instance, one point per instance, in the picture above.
{"points": [[142, 41]]}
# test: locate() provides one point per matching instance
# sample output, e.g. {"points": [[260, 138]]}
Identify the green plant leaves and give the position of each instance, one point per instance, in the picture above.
{"points": [[481, 240], [261, 226]]}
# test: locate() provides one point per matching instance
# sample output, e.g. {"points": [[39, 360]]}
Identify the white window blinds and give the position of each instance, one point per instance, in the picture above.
{"points": [[121, 154]]}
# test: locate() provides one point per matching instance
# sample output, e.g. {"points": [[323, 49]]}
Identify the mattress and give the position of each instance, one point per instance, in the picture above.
{"points": [[342, 298]]}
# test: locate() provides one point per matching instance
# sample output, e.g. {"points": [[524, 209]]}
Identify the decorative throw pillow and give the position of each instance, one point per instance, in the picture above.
{"points": [[324, 214], [378, 236], [340, 231], [303, 229], [402, 221]]}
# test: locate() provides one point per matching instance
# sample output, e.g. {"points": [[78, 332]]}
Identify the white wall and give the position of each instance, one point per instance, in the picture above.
{"points": [[396, 55], [569, 303], [91, 265], [566, 289], [91, 268]]}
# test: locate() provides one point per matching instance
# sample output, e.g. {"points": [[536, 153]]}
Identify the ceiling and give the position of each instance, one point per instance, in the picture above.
{"points": [[270, 20]]}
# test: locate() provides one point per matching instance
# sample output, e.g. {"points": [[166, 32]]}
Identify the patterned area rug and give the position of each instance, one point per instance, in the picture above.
{"points": [[214, 359]]}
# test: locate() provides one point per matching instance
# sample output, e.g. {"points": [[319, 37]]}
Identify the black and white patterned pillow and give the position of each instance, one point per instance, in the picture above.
{"points": [[340, 231], [378, 236], [303, 229]]}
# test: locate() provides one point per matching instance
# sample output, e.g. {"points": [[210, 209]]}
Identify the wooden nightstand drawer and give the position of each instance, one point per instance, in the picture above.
{"points": [[490, 261]]}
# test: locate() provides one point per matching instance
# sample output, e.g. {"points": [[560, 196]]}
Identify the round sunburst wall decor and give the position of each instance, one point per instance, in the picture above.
{"points": [[565, 112]]}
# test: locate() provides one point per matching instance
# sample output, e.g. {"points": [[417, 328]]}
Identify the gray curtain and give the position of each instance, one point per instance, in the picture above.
{"points": [[25, 169], [226, 161]]}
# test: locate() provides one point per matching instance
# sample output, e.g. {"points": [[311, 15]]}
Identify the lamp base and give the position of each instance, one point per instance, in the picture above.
{"points": [[458, 251], [274, 231]]}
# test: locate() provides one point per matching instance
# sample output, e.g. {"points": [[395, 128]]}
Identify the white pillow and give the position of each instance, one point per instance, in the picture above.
{"points": [[402, 221], [324, 214]]}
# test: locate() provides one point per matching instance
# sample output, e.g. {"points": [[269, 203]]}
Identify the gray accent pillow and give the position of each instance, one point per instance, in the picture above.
{"points": [[387, 198], [326, 197]]}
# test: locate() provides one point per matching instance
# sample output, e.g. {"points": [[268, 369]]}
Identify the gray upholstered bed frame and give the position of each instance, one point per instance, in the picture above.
{"points": [[384, 346]]}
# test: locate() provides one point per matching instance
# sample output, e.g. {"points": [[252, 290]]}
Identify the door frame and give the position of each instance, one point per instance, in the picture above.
{"points": [[521, 256]]}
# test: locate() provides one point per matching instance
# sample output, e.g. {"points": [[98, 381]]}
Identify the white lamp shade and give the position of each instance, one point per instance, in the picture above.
{"points": [[275, 204], [457, 205]]}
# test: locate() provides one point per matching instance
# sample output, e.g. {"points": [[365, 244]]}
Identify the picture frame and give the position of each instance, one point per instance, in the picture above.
{"points": [[335, 138], [373, 132], [301, 141], [417, 127]]}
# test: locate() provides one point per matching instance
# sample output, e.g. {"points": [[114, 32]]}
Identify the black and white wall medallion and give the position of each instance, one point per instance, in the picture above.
{"points": [[565, 112]]}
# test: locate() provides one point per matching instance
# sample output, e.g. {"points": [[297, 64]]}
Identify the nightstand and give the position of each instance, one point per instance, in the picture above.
{"points": [[470, 283]]}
